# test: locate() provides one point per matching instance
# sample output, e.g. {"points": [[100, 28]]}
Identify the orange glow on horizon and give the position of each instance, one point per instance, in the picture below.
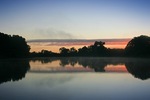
{"points": [[54, 46]]}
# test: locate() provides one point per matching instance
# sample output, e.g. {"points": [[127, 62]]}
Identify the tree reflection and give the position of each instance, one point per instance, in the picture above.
{"points": [[68, 61], [64, 62], [13, 70], [44, 60], [98, 64], [139, 69]]}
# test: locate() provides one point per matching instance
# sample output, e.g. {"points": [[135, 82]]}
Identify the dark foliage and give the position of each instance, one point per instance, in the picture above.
{"points": [[13, 46], [138, 47], [96, 50], [64, 51]]}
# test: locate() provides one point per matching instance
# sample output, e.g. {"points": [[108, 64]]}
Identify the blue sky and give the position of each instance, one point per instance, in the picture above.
{"points": [[75, 19]]}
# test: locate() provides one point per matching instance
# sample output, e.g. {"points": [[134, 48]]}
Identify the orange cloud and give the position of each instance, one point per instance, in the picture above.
{"points": [[54, 45]]}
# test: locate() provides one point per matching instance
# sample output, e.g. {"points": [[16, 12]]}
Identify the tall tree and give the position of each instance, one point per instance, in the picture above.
{"points": [[138, 47], [13, 46]]}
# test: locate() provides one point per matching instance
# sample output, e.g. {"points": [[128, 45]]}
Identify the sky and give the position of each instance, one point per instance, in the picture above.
{"points": [[55, 44], [75, 19]]}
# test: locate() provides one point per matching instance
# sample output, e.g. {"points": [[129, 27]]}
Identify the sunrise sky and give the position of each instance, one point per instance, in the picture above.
{"points": [[55, 44], [75, 19]]}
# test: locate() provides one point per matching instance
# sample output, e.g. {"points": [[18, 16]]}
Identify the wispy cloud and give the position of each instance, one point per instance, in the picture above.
{"points": [[51, 33]]}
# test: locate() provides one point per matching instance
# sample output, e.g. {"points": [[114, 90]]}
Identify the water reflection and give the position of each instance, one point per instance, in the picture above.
{"points": [[95, 64], [13, 70], [139, 68], [75, 86]]}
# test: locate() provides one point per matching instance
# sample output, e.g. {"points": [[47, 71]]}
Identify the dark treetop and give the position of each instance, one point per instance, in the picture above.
{"points": [[13, 46], [138, 47]]}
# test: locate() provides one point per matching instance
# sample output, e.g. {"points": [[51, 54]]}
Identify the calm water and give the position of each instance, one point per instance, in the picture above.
{"points": [[75, 79]]}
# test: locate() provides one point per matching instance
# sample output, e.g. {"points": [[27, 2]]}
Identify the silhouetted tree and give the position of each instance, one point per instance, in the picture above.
{"points": [[73, 52], [64, 51], [98, 49], [84, 51], [13, 46], [138, 47], [100, 43]]}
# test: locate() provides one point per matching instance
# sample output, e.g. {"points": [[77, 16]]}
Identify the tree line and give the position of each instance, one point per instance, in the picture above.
{"points": [[16, 46], [136, 47]]}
